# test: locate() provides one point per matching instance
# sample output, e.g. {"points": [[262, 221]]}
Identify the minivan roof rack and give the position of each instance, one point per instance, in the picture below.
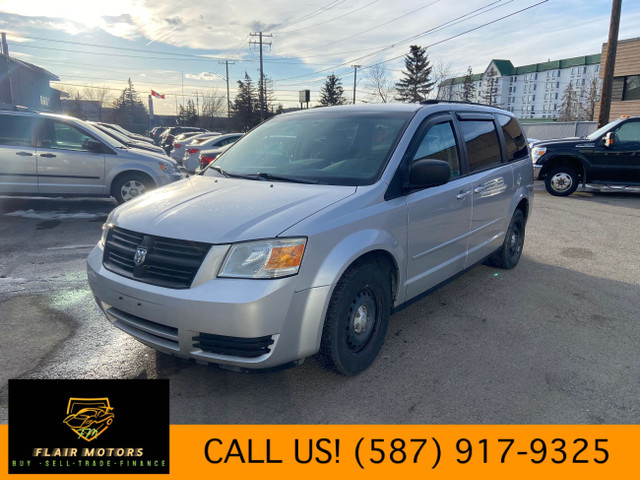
{"points": [[433, 101], [10, 106]]}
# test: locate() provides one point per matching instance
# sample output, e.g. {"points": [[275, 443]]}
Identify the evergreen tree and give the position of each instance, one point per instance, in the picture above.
{"points": [[246, 108], [416, 83], [332, 92], [490, 93], [129, 111], [568, 110], [188, 115], [468, 93]]}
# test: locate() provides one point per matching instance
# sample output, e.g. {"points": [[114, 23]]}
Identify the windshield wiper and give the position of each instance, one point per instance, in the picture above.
{"points": [[284, 178], [219, 169]]}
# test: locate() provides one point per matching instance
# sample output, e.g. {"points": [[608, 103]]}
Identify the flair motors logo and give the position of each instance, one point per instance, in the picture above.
{"points": [[89, 417]]}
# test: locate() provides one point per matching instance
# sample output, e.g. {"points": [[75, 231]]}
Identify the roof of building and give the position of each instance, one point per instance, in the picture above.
{"points": [[506, 67], [32, 67]]}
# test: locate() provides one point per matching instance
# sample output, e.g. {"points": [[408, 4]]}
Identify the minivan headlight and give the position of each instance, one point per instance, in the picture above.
{"points": [[106, 226], [273, 258]]}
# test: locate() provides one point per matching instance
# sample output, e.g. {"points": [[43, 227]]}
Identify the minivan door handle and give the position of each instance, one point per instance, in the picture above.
{"points": [[24, 154], [463, 195], [47, 155]]}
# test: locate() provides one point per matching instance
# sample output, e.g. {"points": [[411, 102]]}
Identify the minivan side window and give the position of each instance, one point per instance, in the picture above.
{"points": [[439, 143], [483, 146], [513, 138], [15, 131], [59, 135]]}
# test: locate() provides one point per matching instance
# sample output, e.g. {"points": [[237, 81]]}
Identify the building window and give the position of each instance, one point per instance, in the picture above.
{"points": [[631, 88]]}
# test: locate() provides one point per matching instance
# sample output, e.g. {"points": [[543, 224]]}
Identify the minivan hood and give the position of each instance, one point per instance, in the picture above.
{"points": [[225, 210]]}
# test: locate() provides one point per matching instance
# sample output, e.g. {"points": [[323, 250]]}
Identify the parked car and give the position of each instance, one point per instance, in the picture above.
{"points": [[207, 156], [129, 142], [306, 234], [127, 133], [155, 133], [168, 136], [53, 155], [609, 158], [190, 160], [181, 141]]}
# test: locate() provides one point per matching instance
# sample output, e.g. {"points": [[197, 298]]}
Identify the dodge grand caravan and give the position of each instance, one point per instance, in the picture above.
{"points": [[307, 233]]}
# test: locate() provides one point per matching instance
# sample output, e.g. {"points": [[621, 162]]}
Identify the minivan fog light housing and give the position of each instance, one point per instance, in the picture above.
{"points": [[274, 258]]}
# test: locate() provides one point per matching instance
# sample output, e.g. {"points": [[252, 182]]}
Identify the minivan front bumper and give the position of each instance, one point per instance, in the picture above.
{"points": [[237, 323]]}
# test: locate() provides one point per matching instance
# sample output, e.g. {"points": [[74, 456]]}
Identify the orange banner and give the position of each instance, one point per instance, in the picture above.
{"points": [[382, 451]]}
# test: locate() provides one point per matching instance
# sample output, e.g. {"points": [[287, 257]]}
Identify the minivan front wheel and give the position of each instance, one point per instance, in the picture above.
{"points": [[129, 186], [561, 181], [357, 319]]}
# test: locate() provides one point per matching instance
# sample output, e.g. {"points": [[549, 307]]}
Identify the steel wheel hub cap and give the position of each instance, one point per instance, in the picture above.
{"points": [[561, 181]]}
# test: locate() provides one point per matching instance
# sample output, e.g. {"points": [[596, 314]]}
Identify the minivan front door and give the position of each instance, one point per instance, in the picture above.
{"points": [[65, 163], [438, 217]]}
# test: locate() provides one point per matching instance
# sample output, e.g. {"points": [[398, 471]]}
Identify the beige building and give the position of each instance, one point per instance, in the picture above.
{"points": [[625, 94]]}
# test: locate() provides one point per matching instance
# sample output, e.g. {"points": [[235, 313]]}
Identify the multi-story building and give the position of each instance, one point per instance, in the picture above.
{"points": [[531, 91], [625, 90]]}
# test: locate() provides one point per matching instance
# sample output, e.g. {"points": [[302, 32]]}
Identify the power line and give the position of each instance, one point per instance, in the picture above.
{"points": [[331, 20], [429, 31], [323, 9]]}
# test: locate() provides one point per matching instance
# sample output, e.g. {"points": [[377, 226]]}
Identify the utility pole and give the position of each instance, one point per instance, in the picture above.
{"points": [[607, 79], [355, 74], [5, 50], [227, 62], [262, 85]]}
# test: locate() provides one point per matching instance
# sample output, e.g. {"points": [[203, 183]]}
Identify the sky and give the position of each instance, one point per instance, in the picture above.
{"points": [[180, 51]]}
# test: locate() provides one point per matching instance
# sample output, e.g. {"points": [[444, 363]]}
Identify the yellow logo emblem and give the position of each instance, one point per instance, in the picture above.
{"points": [[89, 417]]}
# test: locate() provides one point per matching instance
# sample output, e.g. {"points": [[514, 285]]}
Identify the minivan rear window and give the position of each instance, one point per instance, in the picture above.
{"points": [[513, 138]]}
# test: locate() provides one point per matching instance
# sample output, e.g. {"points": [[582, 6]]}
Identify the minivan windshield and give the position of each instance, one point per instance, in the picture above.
{"points": [[331, 146]]}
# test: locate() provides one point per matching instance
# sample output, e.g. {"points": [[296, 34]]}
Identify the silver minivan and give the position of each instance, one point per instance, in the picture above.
{"points": [[311, 230], [54, 155]]}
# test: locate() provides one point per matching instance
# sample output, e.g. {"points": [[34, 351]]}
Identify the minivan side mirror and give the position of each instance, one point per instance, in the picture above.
{"points": [[609, 139], [94, 146], [428, 172]]}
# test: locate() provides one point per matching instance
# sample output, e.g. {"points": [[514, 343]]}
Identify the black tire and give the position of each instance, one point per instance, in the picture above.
{"points": [[561, 181], [508, 255], [130, 185], [352, 335]]}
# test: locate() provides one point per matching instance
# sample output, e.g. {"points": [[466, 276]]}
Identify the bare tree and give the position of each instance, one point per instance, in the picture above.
{"points": [[468, 92], [99, 94], [569, 109], [212, 106], [490, 93], [442, 73], [381, 88], [589, 96]]}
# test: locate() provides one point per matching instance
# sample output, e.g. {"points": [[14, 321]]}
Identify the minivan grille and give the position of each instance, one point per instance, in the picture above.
{"points": [[234, 346], [167, 262]]}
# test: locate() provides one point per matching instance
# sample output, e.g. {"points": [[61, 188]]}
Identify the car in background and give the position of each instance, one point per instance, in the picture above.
{"points": [[128, 141], [311, 230], [206, 157], [155, 132], [181, 141], [168, 136], [43, 154], [607, 159], [124, 131], [190, 160]]}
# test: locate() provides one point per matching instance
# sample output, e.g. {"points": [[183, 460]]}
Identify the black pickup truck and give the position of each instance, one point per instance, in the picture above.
{"points": [[608, 158]]}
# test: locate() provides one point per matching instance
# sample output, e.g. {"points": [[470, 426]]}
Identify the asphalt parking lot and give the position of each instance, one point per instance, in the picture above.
{"points": [[553, 341]]}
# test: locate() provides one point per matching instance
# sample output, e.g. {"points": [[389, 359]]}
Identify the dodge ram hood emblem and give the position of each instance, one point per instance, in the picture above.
{"points": [[140, 256]]}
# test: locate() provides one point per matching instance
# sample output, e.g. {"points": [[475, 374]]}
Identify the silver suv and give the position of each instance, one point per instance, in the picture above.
{"points": [[308, 232], [53, 155]]}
